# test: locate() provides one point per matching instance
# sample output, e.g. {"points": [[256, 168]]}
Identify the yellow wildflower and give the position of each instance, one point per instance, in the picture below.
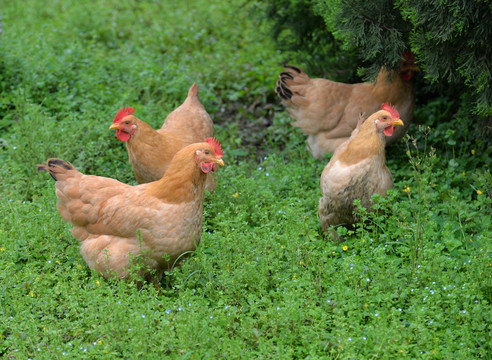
{"points": [[473, 152], [236, 194], [479, 192], [97, 282], [463, 174], [2, 249], [99, 342], [345, 247], [407, 190]]}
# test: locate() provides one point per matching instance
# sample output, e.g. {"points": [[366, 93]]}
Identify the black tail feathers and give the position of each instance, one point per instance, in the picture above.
{"points": [[282, 88], [55, 166]]}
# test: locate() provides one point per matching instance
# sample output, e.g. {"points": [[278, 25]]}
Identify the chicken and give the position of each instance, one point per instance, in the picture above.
{"points": [[357, 169], [327, 111], [150, 151], [115, 222]]}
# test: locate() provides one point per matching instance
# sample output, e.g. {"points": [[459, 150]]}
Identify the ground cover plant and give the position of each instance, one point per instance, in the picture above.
{"points": [[414, 280]]}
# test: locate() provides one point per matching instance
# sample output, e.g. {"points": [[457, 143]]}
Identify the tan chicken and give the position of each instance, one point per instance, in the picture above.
{"points": [[161, 220], [327, 111], [150, 151], [357, 169]]}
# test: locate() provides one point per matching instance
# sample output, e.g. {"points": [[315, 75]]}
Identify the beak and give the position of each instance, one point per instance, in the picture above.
{"points": [[397, 122], [115, 126], [220, 162]]}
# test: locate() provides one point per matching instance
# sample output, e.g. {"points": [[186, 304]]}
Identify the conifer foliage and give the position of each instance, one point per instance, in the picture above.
{"points": [[301, 34]]}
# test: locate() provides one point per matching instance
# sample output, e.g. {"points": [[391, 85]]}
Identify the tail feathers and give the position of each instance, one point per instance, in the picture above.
{"points": [[291, 75], [295, 68], [55, 167], [361, 120], [283, 91], [362, 117], [193, 92]]}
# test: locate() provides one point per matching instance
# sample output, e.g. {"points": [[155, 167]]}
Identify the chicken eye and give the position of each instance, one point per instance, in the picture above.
{"points": [[207, 152]]}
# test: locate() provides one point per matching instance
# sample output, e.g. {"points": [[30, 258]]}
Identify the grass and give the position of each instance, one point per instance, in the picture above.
{"points": [[414, 282]]}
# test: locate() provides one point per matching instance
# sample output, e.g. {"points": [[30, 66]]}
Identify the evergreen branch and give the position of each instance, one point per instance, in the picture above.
{"points": [[382, 25]]}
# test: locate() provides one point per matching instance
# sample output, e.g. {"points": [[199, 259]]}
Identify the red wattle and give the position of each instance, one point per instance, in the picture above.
{"points": [[207, 166], [122, 135], [389, 130], [407, 75]]}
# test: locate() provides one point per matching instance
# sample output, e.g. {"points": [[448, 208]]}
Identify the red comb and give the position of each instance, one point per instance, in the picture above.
{"points": [[408, 55], [122, 113], [391, 109], [216, 145]]}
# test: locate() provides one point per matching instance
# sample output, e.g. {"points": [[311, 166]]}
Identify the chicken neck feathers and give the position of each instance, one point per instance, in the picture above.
{"points": [[150, 152]]}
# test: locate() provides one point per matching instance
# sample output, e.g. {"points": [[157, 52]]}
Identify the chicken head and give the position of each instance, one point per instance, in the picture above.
{"points": [[124, 124]]}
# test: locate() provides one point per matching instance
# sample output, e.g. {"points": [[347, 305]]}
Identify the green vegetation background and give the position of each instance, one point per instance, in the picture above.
{"points": [[414, 282]]}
